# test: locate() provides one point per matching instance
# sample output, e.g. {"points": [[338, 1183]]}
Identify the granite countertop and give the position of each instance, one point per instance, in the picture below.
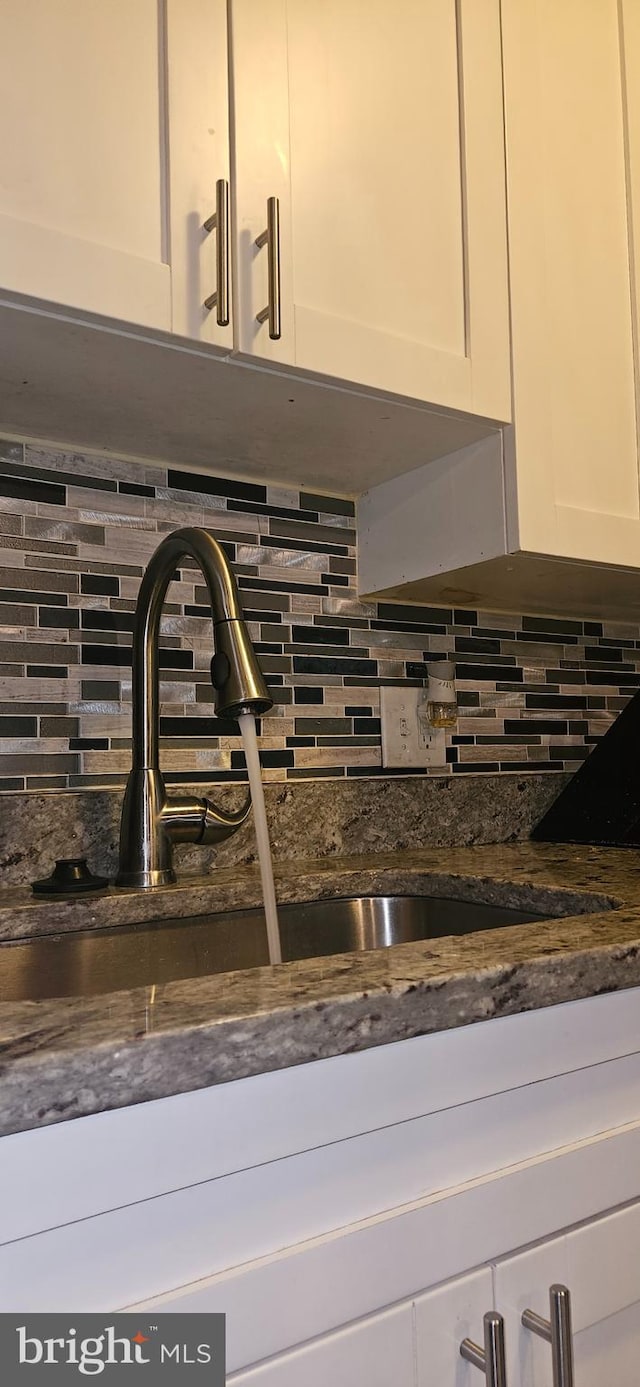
{"points": [[66, 1058]]}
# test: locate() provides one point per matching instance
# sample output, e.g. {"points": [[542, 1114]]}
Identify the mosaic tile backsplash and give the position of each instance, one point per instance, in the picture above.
{"points": [[76, 532]]}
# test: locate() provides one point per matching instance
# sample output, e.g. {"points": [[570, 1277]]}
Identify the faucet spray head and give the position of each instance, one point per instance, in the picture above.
{"points": [[235, 673]]}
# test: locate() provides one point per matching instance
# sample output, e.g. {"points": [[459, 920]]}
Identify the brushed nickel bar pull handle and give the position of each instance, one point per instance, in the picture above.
{"points": [[220, 220], [490, 1359], [557, 1332], [271, 238]]}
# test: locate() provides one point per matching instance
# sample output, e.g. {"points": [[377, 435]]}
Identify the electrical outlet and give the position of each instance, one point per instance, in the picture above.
{"points": [[403, 741]]}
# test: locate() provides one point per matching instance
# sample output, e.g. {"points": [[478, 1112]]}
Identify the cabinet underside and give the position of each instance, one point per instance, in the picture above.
{"points": [[60, 374], [529, 583]]}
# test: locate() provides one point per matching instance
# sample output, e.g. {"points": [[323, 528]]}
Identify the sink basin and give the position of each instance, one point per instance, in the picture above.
{"points": [[90, 962]]}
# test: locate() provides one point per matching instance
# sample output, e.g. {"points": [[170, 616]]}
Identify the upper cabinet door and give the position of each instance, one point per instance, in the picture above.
{"points": [[380, 130], [573, 177], [198, 126], [81, 156], [113, 134]]}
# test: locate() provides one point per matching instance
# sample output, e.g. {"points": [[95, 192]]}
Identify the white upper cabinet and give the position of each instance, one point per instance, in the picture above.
{"points": [[546, 517], [114, 130], [198, 165], [570, 72], [81, 174], [392, 152], [379, 128]]}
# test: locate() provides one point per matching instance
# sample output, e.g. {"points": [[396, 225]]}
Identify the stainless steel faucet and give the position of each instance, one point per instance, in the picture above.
{"points": [[151, 821]]}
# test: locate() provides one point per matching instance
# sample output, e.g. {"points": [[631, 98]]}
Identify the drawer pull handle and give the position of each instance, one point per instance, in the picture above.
{"points": [[271, 239], [557, 1332], [220, 220], [490, 1359]]}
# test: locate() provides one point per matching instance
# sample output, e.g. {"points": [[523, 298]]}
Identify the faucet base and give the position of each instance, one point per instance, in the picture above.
{"points": [[145, 848], [144, 880], [153, 822]]}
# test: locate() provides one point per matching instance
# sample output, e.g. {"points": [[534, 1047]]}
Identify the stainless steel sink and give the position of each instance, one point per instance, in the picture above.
{"points": [[89, 962]]}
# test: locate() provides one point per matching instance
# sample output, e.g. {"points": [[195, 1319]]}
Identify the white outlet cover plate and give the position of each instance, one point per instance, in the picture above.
{"points": [[403, 740]]}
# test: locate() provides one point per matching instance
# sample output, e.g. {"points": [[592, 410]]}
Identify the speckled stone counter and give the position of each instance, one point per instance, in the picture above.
{"points": [[331, 818], [62, 1059]]}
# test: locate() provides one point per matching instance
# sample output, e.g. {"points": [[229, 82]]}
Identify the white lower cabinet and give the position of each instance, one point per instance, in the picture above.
{"points": [[600, 1266], [373, 1353], [356, 1218], [416, 1344], [443, 1318]]}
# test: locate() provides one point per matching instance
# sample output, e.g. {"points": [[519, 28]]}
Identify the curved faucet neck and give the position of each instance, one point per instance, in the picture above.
{"points": [[225, 606], [152, 821]]}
